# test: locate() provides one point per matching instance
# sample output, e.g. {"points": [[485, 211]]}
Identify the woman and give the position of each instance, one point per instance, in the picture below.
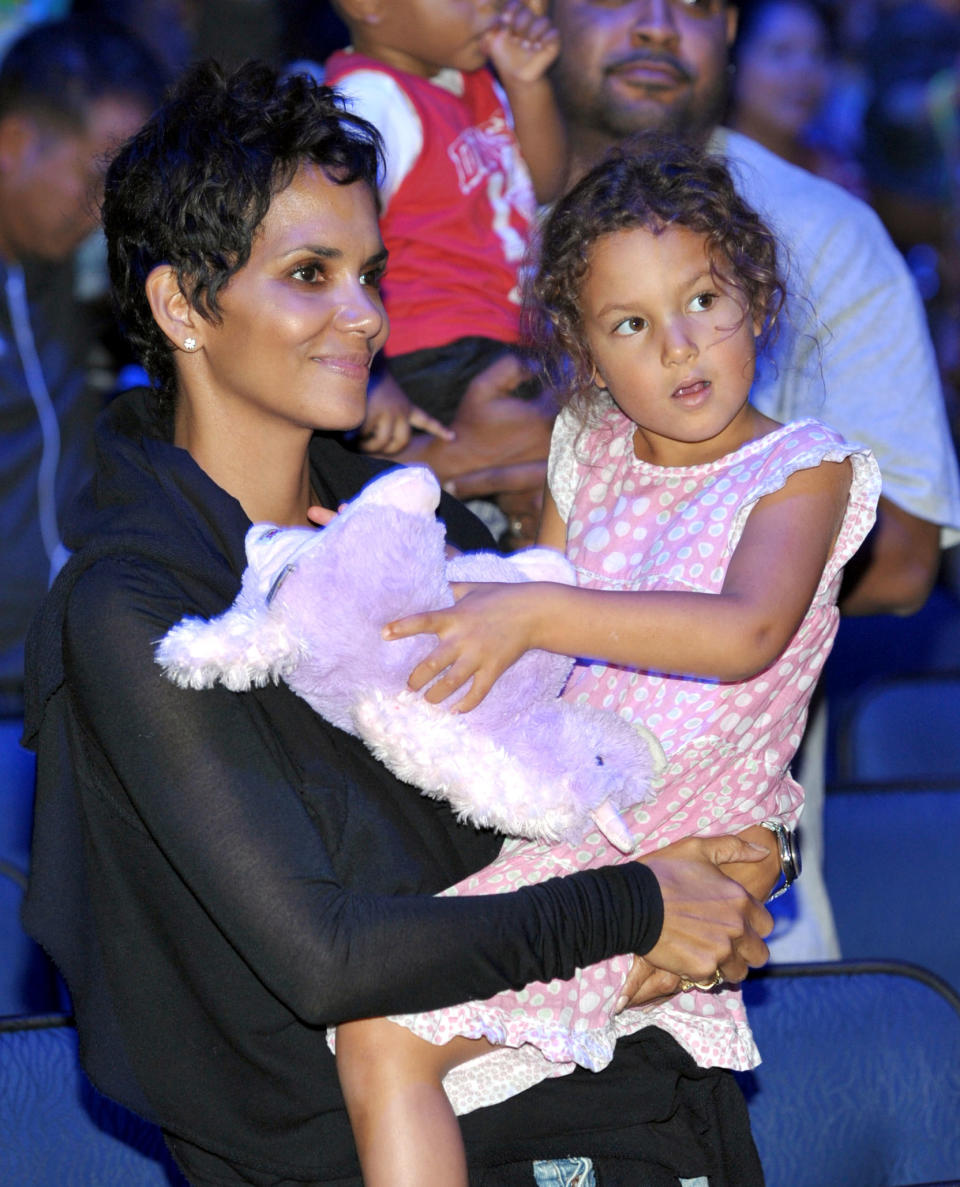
{"points": [[783, 65], [217, 875]]}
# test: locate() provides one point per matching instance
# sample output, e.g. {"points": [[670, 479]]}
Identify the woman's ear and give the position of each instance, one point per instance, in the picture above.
{"points": [[18, 136], [171, 310]]}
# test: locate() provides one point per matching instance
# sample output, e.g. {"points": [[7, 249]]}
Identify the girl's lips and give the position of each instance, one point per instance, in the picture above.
{"points": [[693, 391]]}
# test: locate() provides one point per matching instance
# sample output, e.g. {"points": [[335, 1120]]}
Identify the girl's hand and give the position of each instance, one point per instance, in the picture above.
{"points": [[524, 44], [488, 629]]}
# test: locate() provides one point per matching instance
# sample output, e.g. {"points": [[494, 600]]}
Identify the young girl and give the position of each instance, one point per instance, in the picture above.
{"points": [[709, 543]]}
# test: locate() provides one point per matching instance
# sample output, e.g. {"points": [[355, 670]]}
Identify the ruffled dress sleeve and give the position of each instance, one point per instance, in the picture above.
{"points": [[562, 467], [803, 446]]}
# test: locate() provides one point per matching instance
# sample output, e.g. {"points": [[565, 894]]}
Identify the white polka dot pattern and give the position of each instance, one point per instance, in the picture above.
{"points": [[635, 526]]}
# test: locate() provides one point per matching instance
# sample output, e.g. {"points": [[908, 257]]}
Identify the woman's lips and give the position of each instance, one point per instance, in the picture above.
{"points": [[356, 366]]}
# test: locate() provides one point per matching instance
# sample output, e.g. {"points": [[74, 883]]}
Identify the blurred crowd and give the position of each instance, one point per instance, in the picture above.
{"points": [[863, 92]]}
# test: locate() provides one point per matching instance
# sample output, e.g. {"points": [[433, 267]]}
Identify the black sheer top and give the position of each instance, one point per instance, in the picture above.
{"points": [[221, 875]]}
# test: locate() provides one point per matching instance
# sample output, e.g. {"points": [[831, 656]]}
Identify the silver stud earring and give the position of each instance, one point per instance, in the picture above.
{"points": [[189, 344]]}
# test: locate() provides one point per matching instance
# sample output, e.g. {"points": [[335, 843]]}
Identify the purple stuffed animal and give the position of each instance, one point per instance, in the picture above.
{"points": [[310, 611]]}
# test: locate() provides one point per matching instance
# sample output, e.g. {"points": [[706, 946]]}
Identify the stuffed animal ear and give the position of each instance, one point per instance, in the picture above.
{"points": [[414, 489], [544, 564], [244, 647]]}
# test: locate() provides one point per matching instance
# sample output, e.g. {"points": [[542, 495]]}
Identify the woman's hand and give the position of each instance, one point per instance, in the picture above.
{"points": [[757, 877], [488, 629], [710, 922], [646, 984]]}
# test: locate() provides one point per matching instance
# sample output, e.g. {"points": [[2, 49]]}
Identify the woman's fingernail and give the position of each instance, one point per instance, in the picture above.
{"points": [[621, 1005]]}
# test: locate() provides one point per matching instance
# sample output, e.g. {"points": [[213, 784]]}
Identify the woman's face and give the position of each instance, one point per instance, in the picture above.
{"points": [[782, 68], [302, 320]]}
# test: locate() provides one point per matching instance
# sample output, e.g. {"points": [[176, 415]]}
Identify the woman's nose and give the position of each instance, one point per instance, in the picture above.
{"points": [[361, 312]]}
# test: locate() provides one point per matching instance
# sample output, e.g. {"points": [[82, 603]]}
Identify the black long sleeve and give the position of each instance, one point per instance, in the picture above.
{"points": [[207, 777], [220, 875]]}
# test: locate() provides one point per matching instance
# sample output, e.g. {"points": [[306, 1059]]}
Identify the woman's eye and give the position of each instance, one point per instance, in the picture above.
{"points": [[373, 278], [629, 325], [308, 273]]}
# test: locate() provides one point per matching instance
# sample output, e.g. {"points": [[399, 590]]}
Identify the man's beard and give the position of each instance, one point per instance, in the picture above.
{"points": [[692, 117]]}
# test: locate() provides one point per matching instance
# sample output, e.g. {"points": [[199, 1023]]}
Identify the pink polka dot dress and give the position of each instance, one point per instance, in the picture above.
{"points": [[636, 526]]}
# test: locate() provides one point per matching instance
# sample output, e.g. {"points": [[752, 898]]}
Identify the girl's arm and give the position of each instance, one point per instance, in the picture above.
{"points": [[522, 49], [227, 831], [729, 636], [553, 531]]}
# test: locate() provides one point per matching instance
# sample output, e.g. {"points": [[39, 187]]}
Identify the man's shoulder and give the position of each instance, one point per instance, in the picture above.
{"points": [[791, 197]]}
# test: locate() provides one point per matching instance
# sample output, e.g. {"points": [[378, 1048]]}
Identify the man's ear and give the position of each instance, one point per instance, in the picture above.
{"points": [[171, 310]]}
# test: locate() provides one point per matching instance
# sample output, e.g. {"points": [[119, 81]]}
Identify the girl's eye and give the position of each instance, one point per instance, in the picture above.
{"points": [[308, 273], [703, 301], [629, 325]]}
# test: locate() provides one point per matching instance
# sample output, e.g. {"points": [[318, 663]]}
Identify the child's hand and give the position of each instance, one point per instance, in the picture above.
{"points": [[524, 44], [391, 419], [490, 627]]}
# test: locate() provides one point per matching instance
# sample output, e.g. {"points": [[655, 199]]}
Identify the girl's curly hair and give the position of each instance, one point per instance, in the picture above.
{"points": [[653, 181], [194, 184]]}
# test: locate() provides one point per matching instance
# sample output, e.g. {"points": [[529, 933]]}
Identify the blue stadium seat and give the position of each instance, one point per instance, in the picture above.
{"points": [[901, 728], [28, 983], [56, 1129], [860, 1080], [892, 871], [17, 776]]}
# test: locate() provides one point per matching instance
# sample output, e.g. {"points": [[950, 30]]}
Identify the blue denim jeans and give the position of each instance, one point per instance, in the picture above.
{"points": [[578, 1172]]}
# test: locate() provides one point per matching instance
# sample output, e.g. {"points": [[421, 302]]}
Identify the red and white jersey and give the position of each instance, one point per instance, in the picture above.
{"points": [[458, 199]]}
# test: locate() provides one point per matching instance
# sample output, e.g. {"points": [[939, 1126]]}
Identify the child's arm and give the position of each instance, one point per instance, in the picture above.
{"points": [[391, 418], [553, 531], [522, 49], [729, 636]]}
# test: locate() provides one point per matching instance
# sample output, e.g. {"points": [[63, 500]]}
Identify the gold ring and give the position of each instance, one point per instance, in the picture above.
{"points": [[686, 984]]}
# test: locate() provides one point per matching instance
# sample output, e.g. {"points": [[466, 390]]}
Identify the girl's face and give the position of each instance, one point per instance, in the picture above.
{"points": [[302, 320], [674, 348]]}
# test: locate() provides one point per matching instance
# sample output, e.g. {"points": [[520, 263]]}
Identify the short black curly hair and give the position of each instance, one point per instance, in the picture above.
{"points": [[193, 185], [653, 180]]}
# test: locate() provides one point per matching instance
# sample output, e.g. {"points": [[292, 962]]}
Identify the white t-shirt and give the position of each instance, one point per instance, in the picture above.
{"points": [[874, 377]]}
